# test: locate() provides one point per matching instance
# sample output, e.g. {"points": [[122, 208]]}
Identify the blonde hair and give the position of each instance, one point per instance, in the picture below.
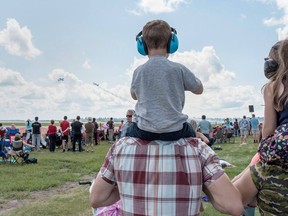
{"points": [[156, 34], [193, 124], [17, 137], [280, 95]]}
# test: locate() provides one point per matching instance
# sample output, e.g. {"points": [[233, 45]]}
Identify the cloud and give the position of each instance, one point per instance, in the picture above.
{"points": [[72, 97], [159, 6], [282, 31], [87, 64], [18, 41], [222, 97], [243, 16]]}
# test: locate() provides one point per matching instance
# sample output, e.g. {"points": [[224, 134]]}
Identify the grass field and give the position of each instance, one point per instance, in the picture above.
{"points": [[51, 187]]}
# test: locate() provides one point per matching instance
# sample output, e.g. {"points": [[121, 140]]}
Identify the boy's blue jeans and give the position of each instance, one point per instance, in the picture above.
{"points": [[186, 131]]}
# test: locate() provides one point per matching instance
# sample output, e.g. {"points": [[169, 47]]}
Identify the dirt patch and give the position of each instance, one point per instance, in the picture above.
{"points": [[9, 205]]}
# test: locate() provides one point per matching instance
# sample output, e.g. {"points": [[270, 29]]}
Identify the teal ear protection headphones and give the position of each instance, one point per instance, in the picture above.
{"points": [[172, 45]]}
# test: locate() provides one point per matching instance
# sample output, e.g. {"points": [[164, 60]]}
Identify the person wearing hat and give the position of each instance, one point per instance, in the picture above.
{"points": [[89, 139]]}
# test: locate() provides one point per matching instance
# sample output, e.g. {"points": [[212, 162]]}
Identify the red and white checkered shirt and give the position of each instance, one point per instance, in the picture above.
{"points": [[159, 177]]}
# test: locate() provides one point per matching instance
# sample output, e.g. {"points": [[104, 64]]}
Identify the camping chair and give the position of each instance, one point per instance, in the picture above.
{"points": [[219, 136], [230, 135], [11, 134], [17, 154]]}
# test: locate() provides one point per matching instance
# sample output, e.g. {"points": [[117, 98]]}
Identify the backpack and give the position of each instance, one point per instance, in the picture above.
{"points": [[31, 161]]}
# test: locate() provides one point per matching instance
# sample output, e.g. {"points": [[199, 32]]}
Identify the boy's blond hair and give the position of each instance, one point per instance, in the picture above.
{"points": [[156, 34]]}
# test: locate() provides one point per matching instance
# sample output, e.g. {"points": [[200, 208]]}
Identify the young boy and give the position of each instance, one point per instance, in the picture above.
{"points": [[159, 87]]}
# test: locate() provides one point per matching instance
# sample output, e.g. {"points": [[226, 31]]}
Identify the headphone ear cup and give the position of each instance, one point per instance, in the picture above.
{"points": [[141, 46], [270, 68], [173, 43]]}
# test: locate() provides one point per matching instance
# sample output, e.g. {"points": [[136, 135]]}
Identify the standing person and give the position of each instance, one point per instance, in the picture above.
{"points": [[119, 129], [28, 127], [89, 139], [128, 123], [110, 130], [205, 128], [65, 132], [244, 129], [267, 179], [77, 137], [3, 132], [255, 128], [52, 130], [236, 127], [159, 87], [36, 133], [165, 183], [95, 131]]}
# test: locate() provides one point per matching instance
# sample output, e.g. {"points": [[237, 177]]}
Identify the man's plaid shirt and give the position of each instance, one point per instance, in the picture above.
{"points": [[159, 177]]}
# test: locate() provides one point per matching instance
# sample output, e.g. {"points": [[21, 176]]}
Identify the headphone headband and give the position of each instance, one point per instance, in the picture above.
{"points": [[172, 45]]}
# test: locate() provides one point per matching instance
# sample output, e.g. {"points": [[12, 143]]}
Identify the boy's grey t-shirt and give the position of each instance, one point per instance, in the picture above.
{"points": [[159, 86]]}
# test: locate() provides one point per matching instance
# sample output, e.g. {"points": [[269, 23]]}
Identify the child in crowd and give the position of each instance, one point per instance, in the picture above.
{"points": [[159, 87], [267, 176]]}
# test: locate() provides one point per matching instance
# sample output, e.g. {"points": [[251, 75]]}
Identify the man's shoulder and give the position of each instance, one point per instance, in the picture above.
{"points": [[181, 142]]}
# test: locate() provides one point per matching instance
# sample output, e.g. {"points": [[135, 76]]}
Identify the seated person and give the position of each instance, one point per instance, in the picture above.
{"points": [[198, 134], [17, 146], [159, 87]]}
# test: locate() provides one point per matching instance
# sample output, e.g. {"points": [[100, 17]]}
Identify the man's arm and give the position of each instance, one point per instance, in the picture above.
{"points": [[224, 196], [103, 193]]}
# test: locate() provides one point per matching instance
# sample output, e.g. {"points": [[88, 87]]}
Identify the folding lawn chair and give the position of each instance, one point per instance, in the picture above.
{"points": [[19, 157], [17, 154]]}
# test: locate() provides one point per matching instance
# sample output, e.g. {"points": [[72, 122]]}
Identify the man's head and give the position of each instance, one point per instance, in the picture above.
{"points": [[78, 118], [203, 117], [65, 117], [36, 118], [244, 117], [129, 115], [253, 115], [157, 34]]}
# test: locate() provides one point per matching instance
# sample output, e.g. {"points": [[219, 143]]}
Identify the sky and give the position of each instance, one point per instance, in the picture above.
{"points": [[53, 53]]}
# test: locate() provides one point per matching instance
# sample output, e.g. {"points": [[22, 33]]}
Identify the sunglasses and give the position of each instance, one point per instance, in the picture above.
{"points": [[129, 116]]}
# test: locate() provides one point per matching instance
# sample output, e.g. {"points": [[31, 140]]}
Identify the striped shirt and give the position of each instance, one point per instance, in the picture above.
{"points": [[159, 177]]}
